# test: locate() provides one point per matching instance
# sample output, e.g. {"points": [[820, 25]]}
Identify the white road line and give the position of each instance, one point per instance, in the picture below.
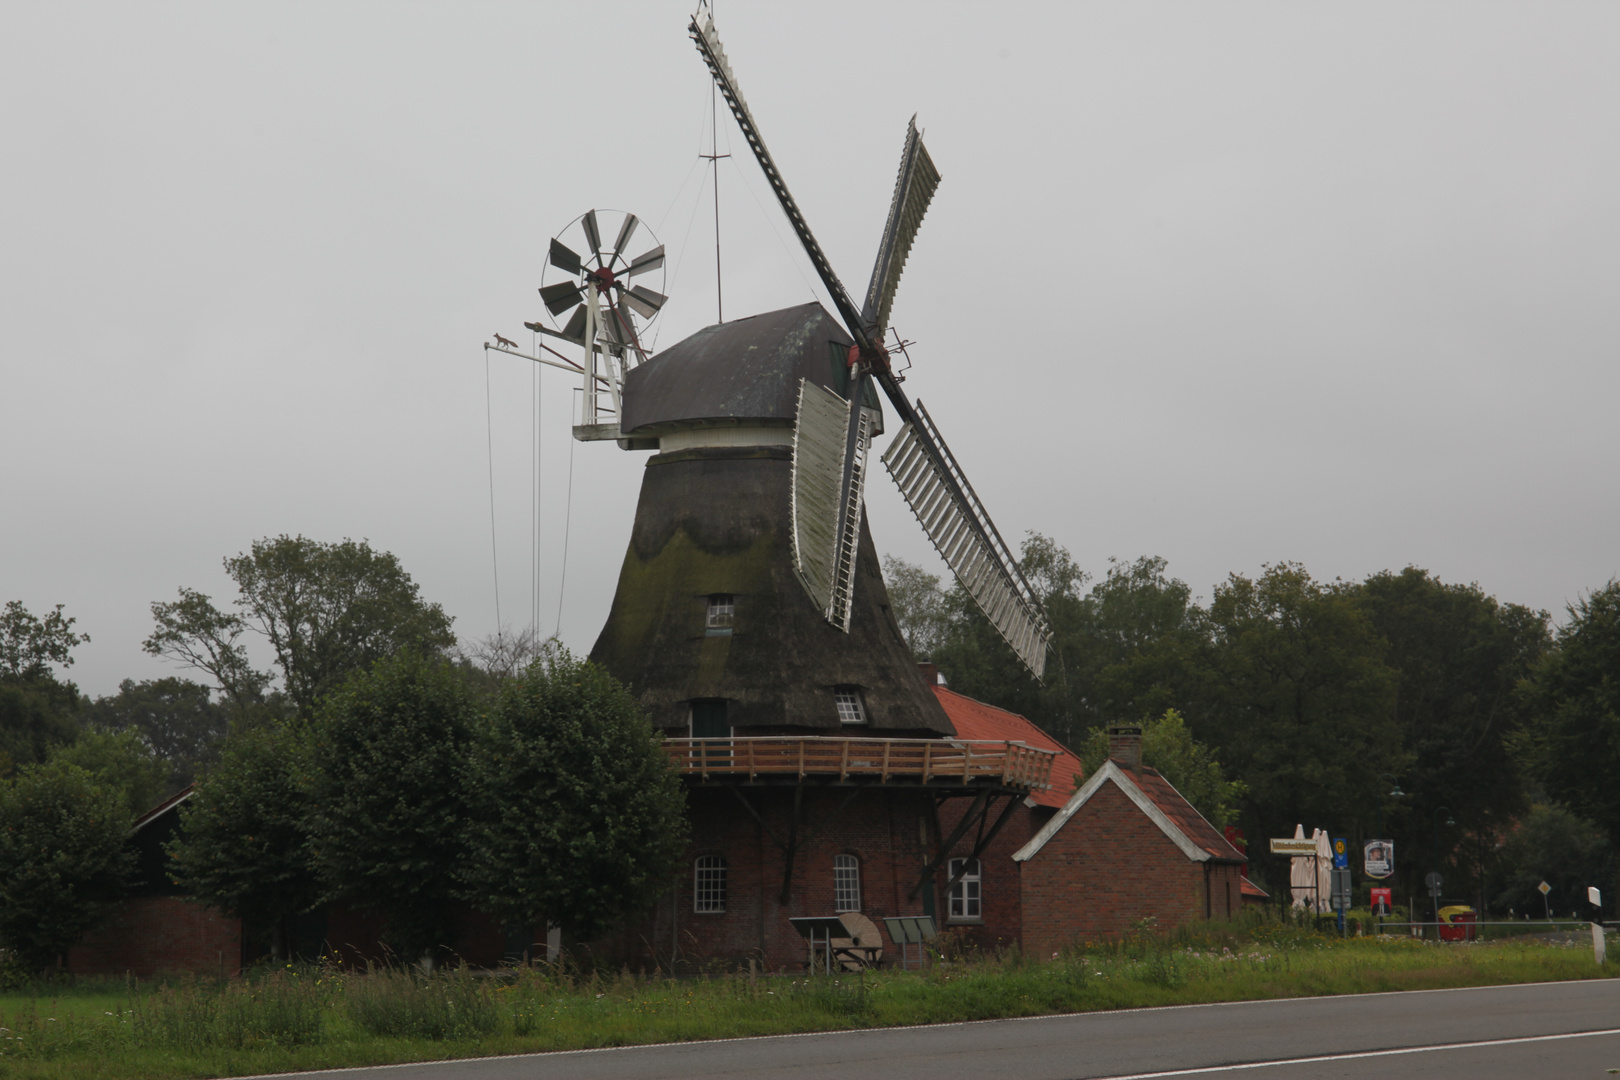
{"points": [[1099, 1013], [1359, 1054]]}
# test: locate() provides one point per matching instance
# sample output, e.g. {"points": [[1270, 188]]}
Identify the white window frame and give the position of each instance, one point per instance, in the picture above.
{"points": [[846, 883], [709, 885], [967, 895], [722, 613], [850, 705]]}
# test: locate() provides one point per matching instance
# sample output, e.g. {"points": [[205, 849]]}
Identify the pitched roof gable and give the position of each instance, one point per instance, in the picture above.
{"points": [[976, 720], [1147, 790]]}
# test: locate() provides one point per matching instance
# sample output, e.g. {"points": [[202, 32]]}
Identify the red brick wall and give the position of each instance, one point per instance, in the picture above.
{"points": [[1002, 898], [1108, 867], [880, 826], [149, 935]]}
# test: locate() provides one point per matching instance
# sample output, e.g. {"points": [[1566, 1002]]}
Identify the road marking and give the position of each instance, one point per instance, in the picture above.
{"points": [[1359, 1054], [1099, 1013]]}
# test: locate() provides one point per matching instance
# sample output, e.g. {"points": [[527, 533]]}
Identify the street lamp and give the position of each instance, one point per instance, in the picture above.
{"points": [[1395, 793], [1450, 821]]}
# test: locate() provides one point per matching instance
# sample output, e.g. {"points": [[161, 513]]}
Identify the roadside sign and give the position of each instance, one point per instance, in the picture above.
{"points": [[1433, 881], [1341, 890], [1593, 896], [1341, 853], [1287, 845], [1544, 888], [1378, 858], [1382, 902]]}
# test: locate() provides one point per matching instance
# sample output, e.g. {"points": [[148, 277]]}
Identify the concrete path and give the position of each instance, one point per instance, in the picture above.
{"points": [[1562, 1030]]}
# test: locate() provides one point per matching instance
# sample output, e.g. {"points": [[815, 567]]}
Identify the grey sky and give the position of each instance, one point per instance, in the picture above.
{"points": [[1228, 283]]}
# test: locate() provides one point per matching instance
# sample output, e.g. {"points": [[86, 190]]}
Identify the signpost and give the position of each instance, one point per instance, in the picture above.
{"points": [[1341, 853], [1546, 904], [1341, 888]]}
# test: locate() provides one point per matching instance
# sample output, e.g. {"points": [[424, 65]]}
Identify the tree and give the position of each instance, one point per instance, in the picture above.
{"points": [[386, 828], [36, 708], [574, 811], [244, 844], [1300, 703], [177, 718], [1554, 845], [1459, 656], [1169, 747], [30, 645], [64, 858], [121, 761], [326, 610], [1575, 695], [919, 605]]}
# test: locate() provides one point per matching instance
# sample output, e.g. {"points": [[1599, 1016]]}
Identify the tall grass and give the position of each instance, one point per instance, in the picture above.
{"points": [[324, 1017]]}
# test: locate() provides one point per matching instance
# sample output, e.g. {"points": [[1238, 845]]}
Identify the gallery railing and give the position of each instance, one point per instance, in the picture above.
{"points": [[1012, 764]]}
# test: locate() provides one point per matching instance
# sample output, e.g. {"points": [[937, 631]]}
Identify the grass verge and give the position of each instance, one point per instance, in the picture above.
{"points": [[323, 1018]]}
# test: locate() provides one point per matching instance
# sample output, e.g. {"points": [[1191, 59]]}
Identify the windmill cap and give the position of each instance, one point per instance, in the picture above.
{"points": [[747, 370]]}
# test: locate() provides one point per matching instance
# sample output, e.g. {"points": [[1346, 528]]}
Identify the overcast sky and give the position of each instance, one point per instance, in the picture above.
{"points": [[1227, 283]]}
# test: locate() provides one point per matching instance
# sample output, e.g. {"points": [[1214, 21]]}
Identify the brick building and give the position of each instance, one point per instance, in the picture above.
{"points": [[157, 928], [1085, 859]]}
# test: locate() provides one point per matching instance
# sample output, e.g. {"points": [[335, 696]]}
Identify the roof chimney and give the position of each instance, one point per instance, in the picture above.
{"points": [[1125, 746], [930, 673]]}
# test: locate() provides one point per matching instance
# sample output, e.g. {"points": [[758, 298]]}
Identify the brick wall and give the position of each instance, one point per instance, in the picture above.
{"points": [[149, 935], [1108, 867], [880, 826], [1001, 924]]}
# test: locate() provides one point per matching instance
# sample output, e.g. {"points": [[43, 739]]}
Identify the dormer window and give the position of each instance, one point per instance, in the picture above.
{"points": [[722, 610], [851, 709]]}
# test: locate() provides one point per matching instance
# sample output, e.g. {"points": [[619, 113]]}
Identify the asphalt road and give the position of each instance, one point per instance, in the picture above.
{"points": [[1547, 1030]]}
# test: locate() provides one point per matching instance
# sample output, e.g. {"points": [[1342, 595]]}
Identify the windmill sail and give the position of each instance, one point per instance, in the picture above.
{"points": [[929, 477], [913, 191], [963, 534], [818, 463]]}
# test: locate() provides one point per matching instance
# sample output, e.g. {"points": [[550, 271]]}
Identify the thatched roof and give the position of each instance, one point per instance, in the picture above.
{"points": [[716, 520], [747, 369]]}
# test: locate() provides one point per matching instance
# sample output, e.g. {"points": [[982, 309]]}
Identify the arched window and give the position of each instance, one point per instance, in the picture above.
{"points": [[965, 895], [709, 884], [846, 883]]}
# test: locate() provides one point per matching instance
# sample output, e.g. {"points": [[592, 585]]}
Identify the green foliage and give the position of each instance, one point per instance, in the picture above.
{"points": [[1300, 702], [243, 845], [918, 604], [326, 610], [29, 645], [37, 710], [574, 813], [64, 858], [122, 761], [1575, 695], [397, 1004], [177, 718], [281, 1010], [1459, 657], [387, 806], [1168, 746], [1555, 845]]}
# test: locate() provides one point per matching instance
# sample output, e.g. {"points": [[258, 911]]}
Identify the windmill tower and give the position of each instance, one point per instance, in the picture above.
{"points": [[751, 618]]}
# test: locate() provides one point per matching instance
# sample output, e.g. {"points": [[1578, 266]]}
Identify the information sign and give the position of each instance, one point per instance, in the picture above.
{"points": [[1341, 853], [1341, 890], [1433, 881], [1378, 858], [1287, 845]]}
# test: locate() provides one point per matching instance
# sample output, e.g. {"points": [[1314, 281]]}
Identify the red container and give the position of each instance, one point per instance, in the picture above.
{"points": [[1457, 924]]}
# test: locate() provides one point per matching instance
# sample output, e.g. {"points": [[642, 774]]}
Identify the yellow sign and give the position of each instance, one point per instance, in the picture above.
{"points": [[1290, 846]]}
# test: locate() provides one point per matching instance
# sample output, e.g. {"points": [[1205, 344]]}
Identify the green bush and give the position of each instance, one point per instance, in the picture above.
{"points": [[452, 1005]]}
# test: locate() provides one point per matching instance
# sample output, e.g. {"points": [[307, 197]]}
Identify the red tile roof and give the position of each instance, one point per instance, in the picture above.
{"points": [[1251, 889], [976, 720], [1181, 812]]}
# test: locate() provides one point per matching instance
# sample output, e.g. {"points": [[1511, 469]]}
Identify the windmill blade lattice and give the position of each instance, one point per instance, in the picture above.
{"points": [[919, 462]]}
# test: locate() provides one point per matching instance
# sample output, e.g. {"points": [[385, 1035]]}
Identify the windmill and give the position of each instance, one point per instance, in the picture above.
{"points": [[832, 433], [607, 312]]}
